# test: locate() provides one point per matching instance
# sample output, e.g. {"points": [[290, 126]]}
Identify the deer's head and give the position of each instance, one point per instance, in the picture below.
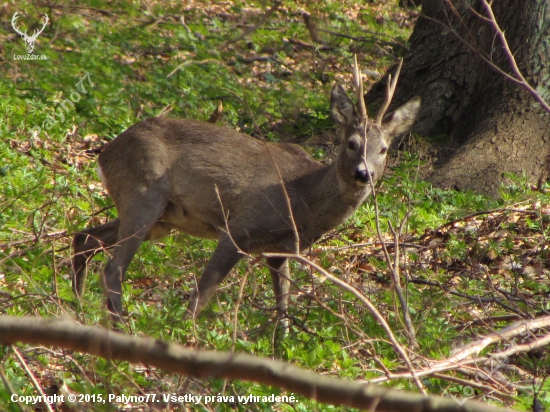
{"points": [[365, 142]]}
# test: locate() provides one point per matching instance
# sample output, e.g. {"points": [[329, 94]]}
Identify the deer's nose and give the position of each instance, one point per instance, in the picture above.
{"points": [[363, 175]]}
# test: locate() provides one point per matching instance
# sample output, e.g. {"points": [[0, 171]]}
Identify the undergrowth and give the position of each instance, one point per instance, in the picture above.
{"points": [[469, 264]]}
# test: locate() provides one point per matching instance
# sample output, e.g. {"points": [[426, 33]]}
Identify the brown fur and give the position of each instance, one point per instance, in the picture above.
{"points": [[216, 183]]}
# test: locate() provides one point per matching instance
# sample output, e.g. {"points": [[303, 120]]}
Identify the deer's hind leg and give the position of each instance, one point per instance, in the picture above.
{"points": [[138, 213], [89, 242], [86, 244]]}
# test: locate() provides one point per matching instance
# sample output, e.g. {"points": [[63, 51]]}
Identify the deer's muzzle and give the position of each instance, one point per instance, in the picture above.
{"points": [[363, 175]]}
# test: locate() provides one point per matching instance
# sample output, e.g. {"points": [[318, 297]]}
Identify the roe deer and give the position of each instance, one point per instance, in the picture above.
{"points": [[215, 183]]}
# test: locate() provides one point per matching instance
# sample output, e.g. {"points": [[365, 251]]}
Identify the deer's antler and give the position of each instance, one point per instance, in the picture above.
{"points": [[359, 88], [389, 93]]}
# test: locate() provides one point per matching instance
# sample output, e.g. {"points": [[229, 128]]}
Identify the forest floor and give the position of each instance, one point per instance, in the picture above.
{"points": [[467, 265]]}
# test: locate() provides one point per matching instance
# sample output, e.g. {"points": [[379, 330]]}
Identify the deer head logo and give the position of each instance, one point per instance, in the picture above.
{"points": [[30, 40]]}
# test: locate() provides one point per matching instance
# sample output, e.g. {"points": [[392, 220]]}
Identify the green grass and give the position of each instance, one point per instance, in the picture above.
{"points": [[49, 189]]}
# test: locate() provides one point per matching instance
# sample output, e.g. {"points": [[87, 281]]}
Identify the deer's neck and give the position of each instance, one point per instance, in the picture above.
{"points": [[325, 199]]}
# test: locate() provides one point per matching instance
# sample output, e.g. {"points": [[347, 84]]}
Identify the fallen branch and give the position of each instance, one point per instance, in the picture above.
{"points": [[67, 334], [464, 356]]}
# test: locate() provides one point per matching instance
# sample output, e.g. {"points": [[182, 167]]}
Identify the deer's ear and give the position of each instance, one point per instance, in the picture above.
{"points": [[342, 108], [403, 118]]}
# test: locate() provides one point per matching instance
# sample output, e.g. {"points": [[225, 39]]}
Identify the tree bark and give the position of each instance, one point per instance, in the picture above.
{"points": [[491, 125]]}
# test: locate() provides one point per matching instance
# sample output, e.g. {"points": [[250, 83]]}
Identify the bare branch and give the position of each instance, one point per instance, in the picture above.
{"points": [[370, 306], [64, 333], [463, 356], [31, 376], [523, 82], [252, 29], [394, 268], [312, 27], [518, 78]]}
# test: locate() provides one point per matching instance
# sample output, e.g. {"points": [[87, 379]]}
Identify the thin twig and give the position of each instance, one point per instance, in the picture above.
{"points": [[372, 39], [475, 384], [34, 239], [287, 201], [71, 360], [524, 83], [394, 271], [463, 356], [31, 377], [236, 311], [258, 59], [520, 80], [370, 306], [511, 208], [307, 45], [252, 29]]}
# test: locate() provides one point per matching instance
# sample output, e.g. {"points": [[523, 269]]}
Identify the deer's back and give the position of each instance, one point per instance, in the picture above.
{"points": [[200, 167], [156, 147]]}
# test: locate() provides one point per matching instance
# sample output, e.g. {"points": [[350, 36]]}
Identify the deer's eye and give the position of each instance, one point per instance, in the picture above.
{"points": [[383, 150], [352, 145]]}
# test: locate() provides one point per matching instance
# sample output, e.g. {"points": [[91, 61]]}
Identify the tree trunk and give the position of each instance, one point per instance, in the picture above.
{"points": [[491, 125]]}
